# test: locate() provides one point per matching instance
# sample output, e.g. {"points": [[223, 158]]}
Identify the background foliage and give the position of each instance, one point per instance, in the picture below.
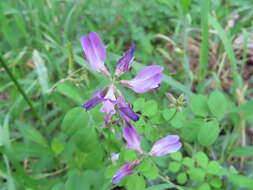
{"points": [[52, 143]]}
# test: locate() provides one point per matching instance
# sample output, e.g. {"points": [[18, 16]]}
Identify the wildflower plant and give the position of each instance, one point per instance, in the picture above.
{"points": [[126, 133], [113, 101], [149, 78]]}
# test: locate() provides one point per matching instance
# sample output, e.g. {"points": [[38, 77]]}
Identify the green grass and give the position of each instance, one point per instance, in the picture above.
{"points": [[43, 75]]}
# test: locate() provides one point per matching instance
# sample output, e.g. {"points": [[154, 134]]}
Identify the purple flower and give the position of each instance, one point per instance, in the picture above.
{"points": [[107, 98], [95, 52], [132, 138], [97, 98], [148, 78], [108, 103], [125, 170], [166, 145], [125, 61], [126, 111], [114, 157]]}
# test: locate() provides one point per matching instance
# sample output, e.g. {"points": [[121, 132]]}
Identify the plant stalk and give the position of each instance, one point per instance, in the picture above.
{"points": [[22, 92]]}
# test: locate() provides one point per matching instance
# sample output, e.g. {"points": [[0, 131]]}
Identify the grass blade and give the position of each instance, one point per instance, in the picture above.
{"points": [[237, 80], [203, 60]]}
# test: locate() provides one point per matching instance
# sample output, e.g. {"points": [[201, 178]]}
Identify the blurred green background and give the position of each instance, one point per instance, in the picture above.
{"points": [[203, 45]]}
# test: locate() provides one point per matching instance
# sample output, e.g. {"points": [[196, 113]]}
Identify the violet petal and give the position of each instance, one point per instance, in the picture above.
{"points": [[125, 61], [149, 78], [125, 170], [114, 157], [132, 138], [166, 145], [95, 52], [109, 102], [126, 111], [96, 99]]}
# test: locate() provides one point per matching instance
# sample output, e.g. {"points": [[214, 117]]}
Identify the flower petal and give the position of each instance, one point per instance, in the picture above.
{"points": [[149, 78], [143, 86], [148, 71], [96, 99], [166, 145], [95, 52], [132, 138], [126, 111], [125, 170], [125, 61], [109, 102], [108, 107], [114, 157]]}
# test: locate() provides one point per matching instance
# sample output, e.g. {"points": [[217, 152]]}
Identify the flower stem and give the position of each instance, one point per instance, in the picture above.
{"points": [[167, 180]]}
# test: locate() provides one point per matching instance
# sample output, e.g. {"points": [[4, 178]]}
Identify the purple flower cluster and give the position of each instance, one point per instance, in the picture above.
{"points": [[149, 78], [162, 147]]}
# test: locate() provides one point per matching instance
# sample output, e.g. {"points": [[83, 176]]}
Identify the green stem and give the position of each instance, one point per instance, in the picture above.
{"points": [[46, 175], [70, 58], [22, 92], [167, 180]]}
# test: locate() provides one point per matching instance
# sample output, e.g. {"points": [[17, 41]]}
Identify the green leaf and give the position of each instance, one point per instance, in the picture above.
{"points": [[81, 131], [214, 168], [135, 182], [198, 105], [157, 118], [70, 91], [187, 161], [176, 156], [139, 125], [41, 71], [246, 151], [57, 146], [202, 159], [196, 174], [217, 104], [4, 132], [148, 169], [31, 149], [178, 120], [208, 133], [160, 187], [246, 108], [34, 135], [111, 170], [74, 120], [169, 113], [191, 129], [182, 178], [185, 5], [128, 155], [75, 181], [151, 133], [204, 186], [174, 166], [216, 182], [150, 108], [241, 181], [138, 104], [59, 186]]}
